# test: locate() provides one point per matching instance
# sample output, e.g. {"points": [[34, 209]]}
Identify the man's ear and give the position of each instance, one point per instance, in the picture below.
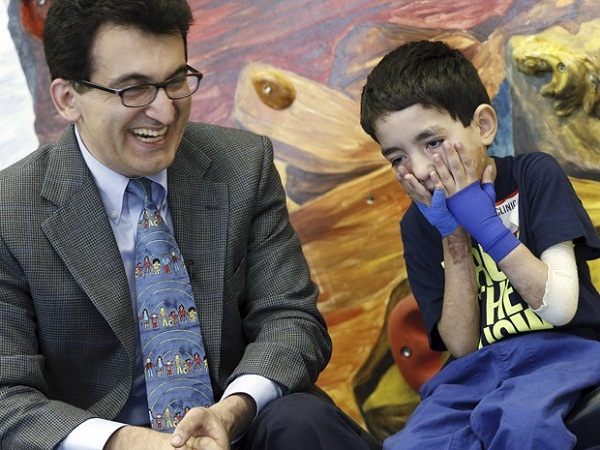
{"points": [[63, 97], [486, 119]]}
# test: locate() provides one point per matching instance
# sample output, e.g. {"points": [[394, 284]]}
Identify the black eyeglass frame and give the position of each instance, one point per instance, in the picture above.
{"points": [[120, 92]]}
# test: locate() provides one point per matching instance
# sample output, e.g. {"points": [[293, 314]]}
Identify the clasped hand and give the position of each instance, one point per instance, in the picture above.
{"points": [[213, 428], [200, 429]]}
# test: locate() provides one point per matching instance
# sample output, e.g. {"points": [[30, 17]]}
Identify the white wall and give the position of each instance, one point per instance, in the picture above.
{"points": [[17, 134]]}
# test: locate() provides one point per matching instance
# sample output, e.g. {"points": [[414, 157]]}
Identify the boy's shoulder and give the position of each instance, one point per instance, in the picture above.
{"points": [[524, 165], [523, 156]]}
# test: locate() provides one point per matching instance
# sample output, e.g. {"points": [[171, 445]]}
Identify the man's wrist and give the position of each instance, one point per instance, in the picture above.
{"points": [[136, 438], [237, 413], [93, 434]]}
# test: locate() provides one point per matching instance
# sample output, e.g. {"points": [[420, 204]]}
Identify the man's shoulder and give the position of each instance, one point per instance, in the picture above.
{"points": [[226, 149], [59, 162], [21, 185], [28, 168], [46, 154], [210, 135], [222, 153]]}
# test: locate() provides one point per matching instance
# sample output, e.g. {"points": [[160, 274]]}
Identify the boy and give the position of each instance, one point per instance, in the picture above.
{"points": [[68, 258], [496, 252]]}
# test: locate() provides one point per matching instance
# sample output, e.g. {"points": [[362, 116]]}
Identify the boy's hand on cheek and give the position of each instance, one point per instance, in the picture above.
{"points": [[457, 170], [474, 208], [431, 205], [438, 215], [415, 190]]}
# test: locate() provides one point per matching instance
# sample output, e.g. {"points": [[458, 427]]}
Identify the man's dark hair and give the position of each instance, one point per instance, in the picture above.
{"points": [[429, 73], [72, 25]]}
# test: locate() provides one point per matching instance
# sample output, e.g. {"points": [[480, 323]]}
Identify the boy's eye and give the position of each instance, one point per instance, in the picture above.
{"points": [[434, 144], [396, 160]]}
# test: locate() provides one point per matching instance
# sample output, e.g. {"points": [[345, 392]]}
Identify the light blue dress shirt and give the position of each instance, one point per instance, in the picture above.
{"points": [[123, 211]]}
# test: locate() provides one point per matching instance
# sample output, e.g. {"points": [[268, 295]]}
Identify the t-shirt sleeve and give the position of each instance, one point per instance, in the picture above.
{"points": [[554, 212]]}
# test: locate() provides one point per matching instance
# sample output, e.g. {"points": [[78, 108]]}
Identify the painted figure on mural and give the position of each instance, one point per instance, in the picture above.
{"points": [[555, 74], [496, 250]]}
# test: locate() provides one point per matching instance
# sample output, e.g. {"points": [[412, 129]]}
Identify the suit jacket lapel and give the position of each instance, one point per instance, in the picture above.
{"points": [[203, 245], [80, 232], [80, 223]]}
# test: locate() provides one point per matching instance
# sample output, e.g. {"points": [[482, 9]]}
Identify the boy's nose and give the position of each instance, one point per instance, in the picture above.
{"points": [[422, 166]]}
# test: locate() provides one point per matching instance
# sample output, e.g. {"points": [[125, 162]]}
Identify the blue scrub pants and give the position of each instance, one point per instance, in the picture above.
{"points": [[511, 395]]}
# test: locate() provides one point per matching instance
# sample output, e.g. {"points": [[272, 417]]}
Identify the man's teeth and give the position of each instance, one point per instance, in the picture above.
{"points": [[147, 135]]}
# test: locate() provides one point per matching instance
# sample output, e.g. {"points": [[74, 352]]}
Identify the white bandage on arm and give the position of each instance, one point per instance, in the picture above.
{"points": [[559, 304]]}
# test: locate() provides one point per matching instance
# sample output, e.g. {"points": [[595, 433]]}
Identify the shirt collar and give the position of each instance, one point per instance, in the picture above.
{"points": [[112, 184]]}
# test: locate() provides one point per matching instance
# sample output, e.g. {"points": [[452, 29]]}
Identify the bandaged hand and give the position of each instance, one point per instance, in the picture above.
{"points": [[437, 214], [474, 209]]}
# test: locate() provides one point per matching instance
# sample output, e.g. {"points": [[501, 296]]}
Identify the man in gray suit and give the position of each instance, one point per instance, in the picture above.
{"points": [[71, 371]]}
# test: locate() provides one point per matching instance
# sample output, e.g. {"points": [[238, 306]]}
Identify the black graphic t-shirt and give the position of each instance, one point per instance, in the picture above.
{"points": [[537, 202]]}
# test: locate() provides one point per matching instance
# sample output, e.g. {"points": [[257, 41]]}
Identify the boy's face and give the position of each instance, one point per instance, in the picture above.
{"points": [[409, 138]]}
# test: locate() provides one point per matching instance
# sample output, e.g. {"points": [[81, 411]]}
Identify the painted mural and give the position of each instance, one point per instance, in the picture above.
{"points": [[293, 70]]}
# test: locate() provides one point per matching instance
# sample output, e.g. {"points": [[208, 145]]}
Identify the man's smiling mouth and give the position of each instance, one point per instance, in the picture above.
{"points": [[149, 135]]}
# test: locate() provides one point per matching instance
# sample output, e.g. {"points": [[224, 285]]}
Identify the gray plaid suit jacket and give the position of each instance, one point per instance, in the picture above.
{"points": [[67, 339]]}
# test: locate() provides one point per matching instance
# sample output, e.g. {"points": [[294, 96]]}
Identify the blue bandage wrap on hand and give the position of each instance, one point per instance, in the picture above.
{"points": [[474, 208], [437, 214]]}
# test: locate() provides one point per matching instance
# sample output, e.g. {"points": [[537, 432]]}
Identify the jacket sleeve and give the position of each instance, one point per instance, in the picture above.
{"points": [[287, 339]]}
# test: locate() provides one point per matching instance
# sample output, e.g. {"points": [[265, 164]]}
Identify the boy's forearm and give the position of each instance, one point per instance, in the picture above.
{"points": [[527, 274], [459, 323]]}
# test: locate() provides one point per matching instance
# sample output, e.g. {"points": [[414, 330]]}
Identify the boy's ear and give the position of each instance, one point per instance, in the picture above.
{"points": [[486, 119], [63, 97]]}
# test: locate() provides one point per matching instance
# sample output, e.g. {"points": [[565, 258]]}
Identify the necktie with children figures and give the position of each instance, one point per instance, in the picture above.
{"points": [[175, 366]]}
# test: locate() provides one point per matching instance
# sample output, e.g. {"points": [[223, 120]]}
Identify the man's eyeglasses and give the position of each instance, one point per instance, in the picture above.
{"points": [[143, 94]]}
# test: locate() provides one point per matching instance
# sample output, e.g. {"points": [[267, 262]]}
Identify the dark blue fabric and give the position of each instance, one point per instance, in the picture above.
{"points": [[510, 395], [302, 421]]}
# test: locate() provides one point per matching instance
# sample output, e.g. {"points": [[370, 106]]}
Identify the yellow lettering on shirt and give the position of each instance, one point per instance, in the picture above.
{"points": [[504, 313]]}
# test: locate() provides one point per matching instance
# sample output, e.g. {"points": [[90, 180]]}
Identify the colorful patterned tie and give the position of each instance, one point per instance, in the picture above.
{"points": [[175, 366]]}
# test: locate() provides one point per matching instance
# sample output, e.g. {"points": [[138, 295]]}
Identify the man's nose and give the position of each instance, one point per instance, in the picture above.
{"points": [[162, 108]]}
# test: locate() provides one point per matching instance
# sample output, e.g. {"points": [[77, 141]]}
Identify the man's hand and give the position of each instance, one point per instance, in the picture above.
{"points": [[215, 427], [201, 429], [138, 438]]}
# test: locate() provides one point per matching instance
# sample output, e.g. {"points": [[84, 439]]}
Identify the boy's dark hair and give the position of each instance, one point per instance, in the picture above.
{"points": [[71, 27], [429, 73]]}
